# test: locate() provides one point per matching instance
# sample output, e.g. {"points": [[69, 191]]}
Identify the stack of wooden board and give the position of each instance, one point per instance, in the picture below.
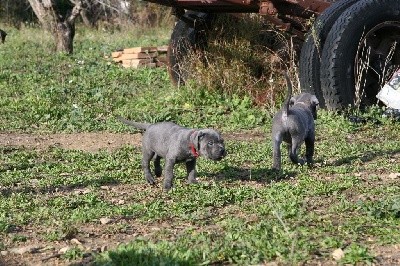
{"points": [[137, 57]]}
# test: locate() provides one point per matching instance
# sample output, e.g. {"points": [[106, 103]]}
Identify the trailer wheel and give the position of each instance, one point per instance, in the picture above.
{"points": [[189, 34], [360, 53], [309, 63]]}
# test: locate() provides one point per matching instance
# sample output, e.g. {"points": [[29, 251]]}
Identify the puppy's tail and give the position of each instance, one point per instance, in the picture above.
{"points": [[138, 125], [289, 96]]}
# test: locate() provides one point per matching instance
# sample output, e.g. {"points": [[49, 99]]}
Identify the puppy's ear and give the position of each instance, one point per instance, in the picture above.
{"points": [[196, 140], [200, 135], [292, 101], [314, 101]]}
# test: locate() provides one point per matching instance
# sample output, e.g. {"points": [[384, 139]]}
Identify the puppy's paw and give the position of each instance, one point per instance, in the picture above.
{"points": [[167, 187], [310, 164], [150, 180], [276, 166], [275, 169]]}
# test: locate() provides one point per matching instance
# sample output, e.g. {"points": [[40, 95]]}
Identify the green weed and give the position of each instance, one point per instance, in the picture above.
{"points": [[357, 254], [73, 254]]}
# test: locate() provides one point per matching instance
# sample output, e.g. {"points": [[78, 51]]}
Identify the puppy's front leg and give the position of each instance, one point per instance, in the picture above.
{"points": [[169, 173], [191, 171]]}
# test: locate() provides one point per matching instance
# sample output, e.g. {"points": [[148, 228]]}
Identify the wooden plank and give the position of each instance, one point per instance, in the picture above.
{"points": [[162, 49], [136, 62], [149, 65], [136, 50], [116, 54], [135, 56]]}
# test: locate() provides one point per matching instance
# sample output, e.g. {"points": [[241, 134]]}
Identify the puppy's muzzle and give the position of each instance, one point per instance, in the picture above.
{"points": [[219, 154]]}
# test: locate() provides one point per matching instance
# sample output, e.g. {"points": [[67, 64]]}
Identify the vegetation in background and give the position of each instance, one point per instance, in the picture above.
{"points": [[244, 56], [82, 92], [95, 13]]}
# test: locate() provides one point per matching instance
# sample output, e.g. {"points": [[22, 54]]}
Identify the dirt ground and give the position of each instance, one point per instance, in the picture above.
{"points": [[97, 237], [92, 142]]}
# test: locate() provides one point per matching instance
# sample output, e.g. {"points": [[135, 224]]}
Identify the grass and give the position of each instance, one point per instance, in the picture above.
{"points": [[86, 88], [241, 213]]}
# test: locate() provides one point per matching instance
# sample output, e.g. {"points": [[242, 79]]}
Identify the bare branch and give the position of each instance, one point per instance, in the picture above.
{"points": [[75, 11], [107, 5], [47, 3]]}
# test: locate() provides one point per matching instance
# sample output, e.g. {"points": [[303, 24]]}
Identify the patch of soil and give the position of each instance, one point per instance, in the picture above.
{"points": [[387, 255], [91, 238], [90, 142]]}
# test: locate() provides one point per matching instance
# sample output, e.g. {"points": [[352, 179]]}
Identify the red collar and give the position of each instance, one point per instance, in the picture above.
{"points": [[193, 150]]}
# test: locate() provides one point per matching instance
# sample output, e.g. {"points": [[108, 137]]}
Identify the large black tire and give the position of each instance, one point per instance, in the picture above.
{"points": [[309, 63], [367, 24], [186, 38]]}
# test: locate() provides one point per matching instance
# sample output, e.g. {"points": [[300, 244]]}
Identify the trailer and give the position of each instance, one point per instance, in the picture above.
{"points": [[348, 53]]}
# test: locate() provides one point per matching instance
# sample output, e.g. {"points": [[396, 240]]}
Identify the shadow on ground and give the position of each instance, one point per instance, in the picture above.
{"points": [[365, 157], [261, 175]]}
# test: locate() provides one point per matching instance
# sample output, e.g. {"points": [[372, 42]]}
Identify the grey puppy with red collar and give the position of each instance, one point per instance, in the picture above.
{"points": [[176, 144], [294, 124]]}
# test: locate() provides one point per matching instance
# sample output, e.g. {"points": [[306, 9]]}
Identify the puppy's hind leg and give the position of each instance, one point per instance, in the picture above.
{"points": [[309, 141], [293, 152], [157, 166], [147, 156]]}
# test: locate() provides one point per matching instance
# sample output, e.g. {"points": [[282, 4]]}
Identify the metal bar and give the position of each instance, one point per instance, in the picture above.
{"points": [[314, 5], [246, 6], [218, 6]]}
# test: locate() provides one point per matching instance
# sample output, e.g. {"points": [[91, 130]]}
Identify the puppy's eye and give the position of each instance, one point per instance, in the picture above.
{"points": [[210, 143]]}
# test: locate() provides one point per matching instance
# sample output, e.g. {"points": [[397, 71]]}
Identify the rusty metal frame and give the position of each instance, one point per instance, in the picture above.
{"points": [[244, 6], [286, 14]]}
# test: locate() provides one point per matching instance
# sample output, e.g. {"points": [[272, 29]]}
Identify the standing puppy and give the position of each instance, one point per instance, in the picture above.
{"points": [[294, 124], [176, 144]]}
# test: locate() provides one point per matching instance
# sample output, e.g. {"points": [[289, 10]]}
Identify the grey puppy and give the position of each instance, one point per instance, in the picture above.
{"points": [[176, 144], [294, 124]]}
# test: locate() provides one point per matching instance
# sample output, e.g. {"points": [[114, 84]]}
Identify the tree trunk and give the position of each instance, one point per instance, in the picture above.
{"points": [[61, 27], [65, 37]]}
